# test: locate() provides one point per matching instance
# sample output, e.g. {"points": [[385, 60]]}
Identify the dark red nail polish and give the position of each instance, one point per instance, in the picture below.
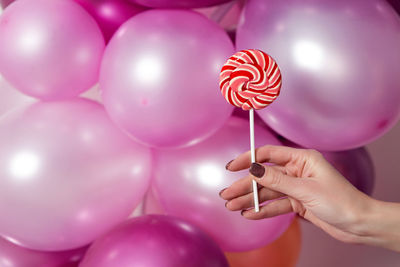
{"points": [[257, 170], [228, 164], [220, 193]]}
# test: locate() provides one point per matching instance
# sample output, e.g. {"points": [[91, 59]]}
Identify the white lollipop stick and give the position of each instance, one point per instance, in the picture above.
{"points": [[253, 160]]}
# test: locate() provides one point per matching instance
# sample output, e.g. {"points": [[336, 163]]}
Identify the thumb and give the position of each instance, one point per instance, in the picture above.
{"points": [[277, 180]]}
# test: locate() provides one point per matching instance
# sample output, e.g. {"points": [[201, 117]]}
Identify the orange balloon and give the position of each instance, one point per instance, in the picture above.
{"points": [[284, 252]]}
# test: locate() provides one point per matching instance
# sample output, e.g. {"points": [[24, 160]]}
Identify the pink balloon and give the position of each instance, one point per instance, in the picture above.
{"points": [[178, 3], [340, 68], [110, 14], [49, 49], [187, 183], [160, 75], [10, 98], [12, 255], [154, 241], [67, 174]]}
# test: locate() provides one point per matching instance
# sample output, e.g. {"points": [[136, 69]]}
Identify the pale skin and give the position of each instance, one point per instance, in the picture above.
{"points": [[302, 181]]}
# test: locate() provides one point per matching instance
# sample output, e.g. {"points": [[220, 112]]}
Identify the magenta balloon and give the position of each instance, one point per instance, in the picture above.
{"points": [[154, 241], [187, 182], [49, 49], [340, 68], [395, 4], [12, 255], [179, 3], [67, 174], [160, 74], [110, 14], [5, 3], [356, 165]]}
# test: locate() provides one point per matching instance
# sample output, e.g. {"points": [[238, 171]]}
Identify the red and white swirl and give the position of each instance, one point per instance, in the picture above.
{"points": [[250, 79]]}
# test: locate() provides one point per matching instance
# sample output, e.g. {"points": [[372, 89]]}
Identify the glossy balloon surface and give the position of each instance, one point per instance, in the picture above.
{"points": [[339, 62], [49, 49], [159, 77], [67, 174], [187, 183], [154, 241], [12, 255]]}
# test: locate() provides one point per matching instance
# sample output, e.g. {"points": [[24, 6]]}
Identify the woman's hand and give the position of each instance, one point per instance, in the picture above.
{"points": [[302, 181]]}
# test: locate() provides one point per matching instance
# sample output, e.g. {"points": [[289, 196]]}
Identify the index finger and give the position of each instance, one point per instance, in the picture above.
{"points": [[279, 155]]}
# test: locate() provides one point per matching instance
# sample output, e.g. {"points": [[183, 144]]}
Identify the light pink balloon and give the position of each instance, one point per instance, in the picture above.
{"points": [[10, 98], [67, 174], [160, 75], [49, 49], [340, 68], [12, 255], [187, 183]]}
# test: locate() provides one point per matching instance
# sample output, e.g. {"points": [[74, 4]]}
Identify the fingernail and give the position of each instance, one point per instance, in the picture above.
{"points": [[228, 164], [257, 170], [220, 193], [226, 204], [242, 212]]}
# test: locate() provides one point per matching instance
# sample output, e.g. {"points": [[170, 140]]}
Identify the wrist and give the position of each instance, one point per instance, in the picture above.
{"points": [[379, 224]]}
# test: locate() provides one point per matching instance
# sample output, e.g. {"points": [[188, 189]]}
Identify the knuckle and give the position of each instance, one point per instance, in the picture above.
{"points": [[275, 178], [315, 154]]}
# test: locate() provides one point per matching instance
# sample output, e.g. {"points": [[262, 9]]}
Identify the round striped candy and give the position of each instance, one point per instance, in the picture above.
{"points": [[250, 79]]}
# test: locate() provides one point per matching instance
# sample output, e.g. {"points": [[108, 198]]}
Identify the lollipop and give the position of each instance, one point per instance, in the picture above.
{"points": [[251, 79]]}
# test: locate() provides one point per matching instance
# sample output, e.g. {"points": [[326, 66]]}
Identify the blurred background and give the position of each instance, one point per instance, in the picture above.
{"points": [[318, 249]]}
